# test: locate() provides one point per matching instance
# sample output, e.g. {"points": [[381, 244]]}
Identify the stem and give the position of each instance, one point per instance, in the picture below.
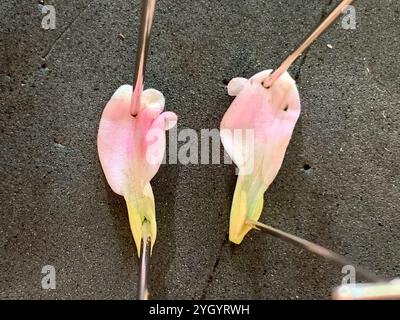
{"points": [[306, 43], [142, 52], [144, 264], [314, 248]]}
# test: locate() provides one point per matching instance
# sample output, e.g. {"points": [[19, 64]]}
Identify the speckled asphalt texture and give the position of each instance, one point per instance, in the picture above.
{"points": [[339, 184]]}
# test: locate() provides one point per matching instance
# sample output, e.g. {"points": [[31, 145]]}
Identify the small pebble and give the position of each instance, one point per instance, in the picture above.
{"points": [[59, 139]]}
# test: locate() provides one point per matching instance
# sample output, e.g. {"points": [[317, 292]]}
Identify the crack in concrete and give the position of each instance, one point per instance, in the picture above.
{"points": [[50, 50], [211, 275]]}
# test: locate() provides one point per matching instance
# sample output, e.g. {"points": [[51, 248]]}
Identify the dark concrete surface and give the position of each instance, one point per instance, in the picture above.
{"points": [[57, 209]]}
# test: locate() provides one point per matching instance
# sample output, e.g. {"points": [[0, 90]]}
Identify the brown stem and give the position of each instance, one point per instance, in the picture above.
{"points": [[144, 264], [306, 43], [314, 248], [142, 52]]}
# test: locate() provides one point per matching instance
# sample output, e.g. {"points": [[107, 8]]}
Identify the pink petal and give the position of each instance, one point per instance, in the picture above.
{"points": [[124, 141], [115, 140]]}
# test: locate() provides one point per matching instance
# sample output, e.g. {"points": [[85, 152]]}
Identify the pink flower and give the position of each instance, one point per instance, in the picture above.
{"points": [[131, 150], [271, 115]]}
